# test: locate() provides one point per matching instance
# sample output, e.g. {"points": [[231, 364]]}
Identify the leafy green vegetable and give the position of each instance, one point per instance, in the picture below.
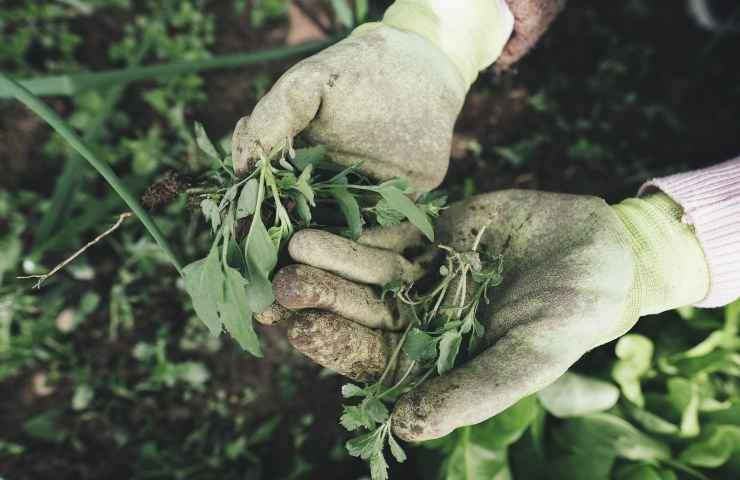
{"points": [[574, 395], [635, 353], [479, 451], [714, 448]]}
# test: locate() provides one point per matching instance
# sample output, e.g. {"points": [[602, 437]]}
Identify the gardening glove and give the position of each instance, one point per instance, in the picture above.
{"points": [[577, 273], [388, 95]]}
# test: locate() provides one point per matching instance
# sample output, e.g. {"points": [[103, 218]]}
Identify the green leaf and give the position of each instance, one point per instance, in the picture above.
{"points": [[211, 212], [363, 446], [205, 144], [574, 395], [419, 345], [350, 390], [46, 426], [385, 215], [355, 417], [508, 426], [684, 395], [350, 209], [449, 347], [644, 472], [303, 186], [606, 435], [378, 466], [714, 448], [309, 156], [204, 282], [635, 353], [247, 203], [471, 460], [265, 431], [651, 422], [396, 449], [304, 211], [236, 314], [259, 291], [376, 410], [398, 201], [259, 249]]}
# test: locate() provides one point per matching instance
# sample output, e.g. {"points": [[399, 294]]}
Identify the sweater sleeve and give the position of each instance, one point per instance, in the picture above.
{"points": [[710, 199]]}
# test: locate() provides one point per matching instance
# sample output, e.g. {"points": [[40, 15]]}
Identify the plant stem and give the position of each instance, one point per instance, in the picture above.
{"points": [[66, 132], [68, 85]]}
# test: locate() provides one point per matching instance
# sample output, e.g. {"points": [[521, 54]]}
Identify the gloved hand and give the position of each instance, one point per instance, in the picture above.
{"points": [[577, 274], [388, 95]]}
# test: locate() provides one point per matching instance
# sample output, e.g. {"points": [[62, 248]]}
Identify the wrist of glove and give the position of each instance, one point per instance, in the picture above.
{"points": [[471, 33], [670, 268]]}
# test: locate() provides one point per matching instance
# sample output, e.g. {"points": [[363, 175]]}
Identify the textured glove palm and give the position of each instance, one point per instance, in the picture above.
{"points": [[578, 273]]}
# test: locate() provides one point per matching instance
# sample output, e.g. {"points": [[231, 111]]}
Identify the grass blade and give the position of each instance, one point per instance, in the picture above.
{"points": [[68, 85], [62, 128]]}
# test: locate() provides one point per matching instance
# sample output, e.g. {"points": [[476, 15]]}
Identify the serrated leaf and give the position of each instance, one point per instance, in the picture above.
{"points": [[350, 390], [378, 467], [396, 449], [398, 201], [385, 215], [355, 417], [205, 143], [247, 203], [449, 347], [236, 314], [363, 446], [204, 282], [350, 209], [419, 345], [376, 410]]}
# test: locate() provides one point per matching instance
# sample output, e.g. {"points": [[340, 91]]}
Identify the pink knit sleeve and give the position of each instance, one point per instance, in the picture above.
{"points": [[711, 201]]}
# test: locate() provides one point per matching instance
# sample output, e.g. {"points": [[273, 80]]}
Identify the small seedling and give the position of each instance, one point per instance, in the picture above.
{"points": [[439, 321]]}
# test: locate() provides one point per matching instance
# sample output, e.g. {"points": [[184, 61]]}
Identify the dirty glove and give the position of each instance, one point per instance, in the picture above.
{"points": [[388, 95], [577, 274]]}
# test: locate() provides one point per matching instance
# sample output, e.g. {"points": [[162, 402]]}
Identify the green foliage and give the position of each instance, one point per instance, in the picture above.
{"points": [[479, 451], [438, 322], [228, 288]]}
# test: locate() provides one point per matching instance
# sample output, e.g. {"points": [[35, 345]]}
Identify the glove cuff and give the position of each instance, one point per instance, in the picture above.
{"points": [[472, 33], [710, 199], [671, 269]]}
